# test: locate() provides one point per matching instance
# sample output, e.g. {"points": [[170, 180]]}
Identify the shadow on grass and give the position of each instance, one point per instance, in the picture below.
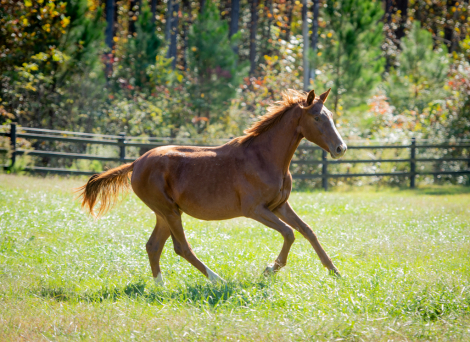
{"points": [[209, 294]]}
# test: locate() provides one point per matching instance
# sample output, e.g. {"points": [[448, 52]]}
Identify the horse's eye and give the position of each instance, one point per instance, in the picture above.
{"points": [[316, 118]]}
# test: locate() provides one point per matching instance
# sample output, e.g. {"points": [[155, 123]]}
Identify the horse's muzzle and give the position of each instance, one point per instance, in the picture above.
{"points": [[339, 151]]}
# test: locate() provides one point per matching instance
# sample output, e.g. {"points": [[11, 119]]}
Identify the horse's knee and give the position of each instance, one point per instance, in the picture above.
{"points": [[178, 249], [289, 236], [151, 247], [183, 251]]}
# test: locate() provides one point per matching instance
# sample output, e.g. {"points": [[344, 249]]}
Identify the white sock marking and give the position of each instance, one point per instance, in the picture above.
{"points": [[270, 268], [213, 277], [159, 280]]}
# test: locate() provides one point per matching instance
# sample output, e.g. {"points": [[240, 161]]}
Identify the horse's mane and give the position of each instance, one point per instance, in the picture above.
{"points": [[275, 112]]}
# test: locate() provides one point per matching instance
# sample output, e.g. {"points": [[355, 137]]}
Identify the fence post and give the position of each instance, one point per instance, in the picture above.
{"points": [[122, 146], [412, 163], [13, 144], [324, 171]]}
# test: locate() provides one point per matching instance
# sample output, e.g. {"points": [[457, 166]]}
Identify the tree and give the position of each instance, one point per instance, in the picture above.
{"points": [[314, 36], [401, 8], [202, 5], [305, 41], [253, 28], [110, 16], [421, 73], [352, 47], [169, 16], [234, 17], [448, 21], [184, 35], [153, 9], [172, 24], [48, 55], [134, 8], [214, 70], [290, 9], [139, 53]]}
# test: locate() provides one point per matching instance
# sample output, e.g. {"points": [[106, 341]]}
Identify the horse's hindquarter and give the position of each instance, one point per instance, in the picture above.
{"points": [[200, 180]]}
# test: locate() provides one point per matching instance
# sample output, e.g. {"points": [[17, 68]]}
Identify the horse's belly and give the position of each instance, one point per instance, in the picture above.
{"points": [[220, 207]]}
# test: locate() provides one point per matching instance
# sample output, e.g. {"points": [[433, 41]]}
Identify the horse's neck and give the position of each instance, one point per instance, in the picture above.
{"points": [[279, 143]]}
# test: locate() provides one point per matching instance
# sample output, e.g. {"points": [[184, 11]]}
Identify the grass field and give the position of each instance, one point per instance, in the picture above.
{"points": [[404, 257]]}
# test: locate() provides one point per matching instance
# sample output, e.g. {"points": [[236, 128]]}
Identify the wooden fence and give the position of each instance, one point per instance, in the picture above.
{"points": [[122, 142]]}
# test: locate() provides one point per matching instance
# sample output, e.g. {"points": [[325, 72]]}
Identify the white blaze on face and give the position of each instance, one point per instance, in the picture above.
{"points": [[159, 280], [330, 117]]}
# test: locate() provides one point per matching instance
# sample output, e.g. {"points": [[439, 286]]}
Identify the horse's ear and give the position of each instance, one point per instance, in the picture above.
{"points": [[324, 96], [310, 97]]}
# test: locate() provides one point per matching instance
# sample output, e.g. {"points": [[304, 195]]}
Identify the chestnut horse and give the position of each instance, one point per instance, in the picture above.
{"points": [[248, 176]]}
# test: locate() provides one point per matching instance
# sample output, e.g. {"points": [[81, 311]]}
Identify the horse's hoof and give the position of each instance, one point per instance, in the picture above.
{"points": [[335, 272], [214, 277], [269, 271], [159, 280]]}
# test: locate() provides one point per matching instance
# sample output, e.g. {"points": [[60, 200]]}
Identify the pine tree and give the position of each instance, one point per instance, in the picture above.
{"points": [[421, 73], [140, 52], [352, 47], [213, 66]]}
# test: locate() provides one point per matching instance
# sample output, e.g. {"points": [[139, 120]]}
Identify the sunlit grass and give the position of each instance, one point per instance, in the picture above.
{"points": [[404, 256]]}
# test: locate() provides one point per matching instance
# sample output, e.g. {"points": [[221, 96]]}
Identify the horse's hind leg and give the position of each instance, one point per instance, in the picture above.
{"points": [[154, 247], [183, 248]]}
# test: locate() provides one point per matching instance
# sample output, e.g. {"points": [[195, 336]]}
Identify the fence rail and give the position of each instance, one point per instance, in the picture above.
{"points": [[122, 142]]}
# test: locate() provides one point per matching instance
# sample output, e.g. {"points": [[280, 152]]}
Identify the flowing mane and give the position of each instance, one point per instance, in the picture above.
{"points": [[275, 112]]}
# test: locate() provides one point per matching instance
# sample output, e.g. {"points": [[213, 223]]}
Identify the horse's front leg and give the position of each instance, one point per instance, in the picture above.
{"points": [[289, 216], [267, 217]]}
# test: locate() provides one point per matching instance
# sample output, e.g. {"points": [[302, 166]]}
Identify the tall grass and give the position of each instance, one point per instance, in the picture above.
{"points": [[404, 257]]}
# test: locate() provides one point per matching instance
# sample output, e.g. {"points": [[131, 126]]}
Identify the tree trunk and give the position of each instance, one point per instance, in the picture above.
{"points": [[110, 23], [202, 5], [153, 9], [110, 12], [186, 24], [234, 17], [169, 16], [314, 37], [306, 40], [449, 29], [133, 12], [173, 31], [402, 6], [253, 27], [290, 8], [270, 23], [388, 10]]}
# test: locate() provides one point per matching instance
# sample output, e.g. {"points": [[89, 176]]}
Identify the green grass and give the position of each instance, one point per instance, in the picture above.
{"points": [[404, 256]]}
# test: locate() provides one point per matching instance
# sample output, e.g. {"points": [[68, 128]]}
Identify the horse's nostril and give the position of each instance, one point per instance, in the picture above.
{"points": [[339, 149]]}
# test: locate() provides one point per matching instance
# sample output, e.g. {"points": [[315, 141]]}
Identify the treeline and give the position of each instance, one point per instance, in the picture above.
{"points": [[207, 68]]}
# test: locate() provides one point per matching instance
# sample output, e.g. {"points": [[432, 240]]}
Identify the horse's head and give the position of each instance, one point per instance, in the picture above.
{"points": [[317, 125]]}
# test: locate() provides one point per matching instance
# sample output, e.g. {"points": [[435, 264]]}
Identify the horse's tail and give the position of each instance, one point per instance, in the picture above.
{"points": [[104, 187]]}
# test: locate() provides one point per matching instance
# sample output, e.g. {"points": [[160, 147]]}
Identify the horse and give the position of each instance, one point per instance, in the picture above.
{"points": [[248, 176]]}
